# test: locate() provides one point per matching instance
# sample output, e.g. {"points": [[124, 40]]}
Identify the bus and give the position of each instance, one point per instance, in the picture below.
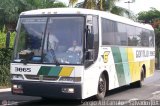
{"points": [[113, 51]]}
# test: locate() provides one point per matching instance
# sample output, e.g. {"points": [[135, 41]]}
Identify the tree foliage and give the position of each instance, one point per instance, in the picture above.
{"points": [[72, 2], [3, 38], [157, 33], [104, 5], [149, 16], [5, 59], [12, 9]]}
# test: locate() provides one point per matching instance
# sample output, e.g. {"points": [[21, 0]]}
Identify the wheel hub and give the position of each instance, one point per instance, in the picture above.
{"points": [[101, 86]]}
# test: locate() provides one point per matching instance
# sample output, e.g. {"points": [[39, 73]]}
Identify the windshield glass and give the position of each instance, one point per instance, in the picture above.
{"points": [[55, 40]]}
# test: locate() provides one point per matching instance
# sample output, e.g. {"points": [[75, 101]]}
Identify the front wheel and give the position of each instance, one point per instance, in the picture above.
{"points": [[101, 88]]}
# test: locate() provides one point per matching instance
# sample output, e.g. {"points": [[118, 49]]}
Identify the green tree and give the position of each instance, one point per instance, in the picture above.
{"points": [[12, 8], [149, 16], [104, 5], [72, 2], [90, 4]]}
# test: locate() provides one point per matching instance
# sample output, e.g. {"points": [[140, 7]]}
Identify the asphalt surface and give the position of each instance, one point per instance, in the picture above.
{"points": [[148, 95]]}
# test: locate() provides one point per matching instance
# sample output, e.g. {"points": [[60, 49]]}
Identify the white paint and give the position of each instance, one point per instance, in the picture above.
{"points": [[156, 92], [133, 99], [5, 90]]}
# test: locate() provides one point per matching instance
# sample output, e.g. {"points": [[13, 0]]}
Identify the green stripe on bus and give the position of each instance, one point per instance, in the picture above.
{"points": [[118, 65], [124, 56], [54, 71], [44, 70]]}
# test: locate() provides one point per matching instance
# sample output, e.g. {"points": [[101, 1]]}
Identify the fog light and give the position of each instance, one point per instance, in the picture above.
{"points": [[14, 86], [68, 90], [17, 88]]}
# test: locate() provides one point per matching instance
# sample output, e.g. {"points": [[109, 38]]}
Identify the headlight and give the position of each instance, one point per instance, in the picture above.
{"points": [[17, 77], [70, 79]]}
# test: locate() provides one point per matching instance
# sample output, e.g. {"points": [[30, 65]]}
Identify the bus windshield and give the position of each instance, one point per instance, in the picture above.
{"points": [[54, 40]]}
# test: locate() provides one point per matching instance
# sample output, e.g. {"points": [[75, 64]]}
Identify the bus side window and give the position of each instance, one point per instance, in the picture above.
{"points": [[108, 32], [145, 38], [122, 34]]}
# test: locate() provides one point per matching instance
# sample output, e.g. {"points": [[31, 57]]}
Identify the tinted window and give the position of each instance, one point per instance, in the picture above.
{"points": [[131, 35], [121, 34], [115, 33], [108, 32], [138, 36], [145, 37], [151, 39]]}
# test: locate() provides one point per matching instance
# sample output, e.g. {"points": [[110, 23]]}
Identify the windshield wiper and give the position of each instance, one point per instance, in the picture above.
{"points": [[54, 57]]}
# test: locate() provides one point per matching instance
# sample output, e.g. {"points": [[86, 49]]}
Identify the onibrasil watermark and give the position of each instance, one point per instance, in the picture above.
{"points": [[100, 103], [8, 103], [123, 103]]}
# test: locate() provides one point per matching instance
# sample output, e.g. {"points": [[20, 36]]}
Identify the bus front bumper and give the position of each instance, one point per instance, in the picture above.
{"points": [[47, 89]]}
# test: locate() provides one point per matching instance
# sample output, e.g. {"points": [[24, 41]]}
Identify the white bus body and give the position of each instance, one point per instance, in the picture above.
{"points": [[115, 51]]}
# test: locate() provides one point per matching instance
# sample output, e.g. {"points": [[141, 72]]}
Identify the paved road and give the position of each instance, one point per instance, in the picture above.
{"points": [[122, 96]]}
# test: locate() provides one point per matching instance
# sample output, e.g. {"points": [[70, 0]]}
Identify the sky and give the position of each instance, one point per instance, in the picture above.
{"points": [[136, 7]]}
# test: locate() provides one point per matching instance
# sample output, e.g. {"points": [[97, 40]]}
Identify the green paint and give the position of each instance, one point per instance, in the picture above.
{"points": [[116, 55], [123, 54], [54, 71], [118, 65], [44, 70], [127, 73], [125, 65]]}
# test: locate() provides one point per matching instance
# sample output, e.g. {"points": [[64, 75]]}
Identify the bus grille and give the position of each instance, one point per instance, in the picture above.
{"points": [[38, 77]]}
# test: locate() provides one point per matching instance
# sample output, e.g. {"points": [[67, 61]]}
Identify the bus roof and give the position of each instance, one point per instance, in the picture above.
{"points": [[103, 14]]}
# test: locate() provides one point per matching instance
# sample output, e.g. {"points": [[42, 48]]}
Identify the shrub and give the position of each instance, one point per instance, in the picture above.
{"points": [[5, 58], [3, 39]]}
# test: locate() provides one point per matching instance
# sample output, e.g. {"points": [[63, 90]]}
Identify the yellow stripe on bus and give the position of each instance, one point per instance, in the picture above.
{"points": [[131, 62], [66, 71]]}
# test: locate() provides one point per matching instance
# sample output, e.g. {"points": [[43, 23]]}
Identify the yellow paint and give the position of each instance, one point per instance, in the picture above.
{"points": [[130, 62], [105, 56], [135, 66], [66, 71], [152, 66], [137, 69], [147, 63]]}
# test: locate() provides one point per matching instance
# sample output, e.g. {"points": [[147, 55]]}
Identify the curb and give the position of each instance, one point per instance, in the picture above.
{"points": [[5, 90]]}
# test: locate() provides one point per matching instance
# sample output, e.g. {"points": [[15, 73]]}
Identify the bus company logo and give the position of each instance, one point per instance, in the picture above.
{"points": [[105, 56], [20, 69]]}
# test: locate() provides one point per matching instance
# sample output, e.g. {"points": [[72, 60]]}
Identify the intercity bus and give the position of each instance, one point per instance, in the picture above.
{"points": [[115, 51]]}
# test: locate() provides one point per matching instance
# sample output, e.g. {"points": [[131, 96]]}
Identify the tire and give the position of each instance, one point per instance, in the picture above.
{"points": [[142, 78], [101, 91], [139, 84]]}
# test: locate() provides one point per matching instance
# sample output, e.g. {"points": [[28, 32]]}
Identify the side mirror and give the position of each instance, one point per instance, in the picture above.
{"points": [[89, 58], [90, 40], [89, 55]]}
